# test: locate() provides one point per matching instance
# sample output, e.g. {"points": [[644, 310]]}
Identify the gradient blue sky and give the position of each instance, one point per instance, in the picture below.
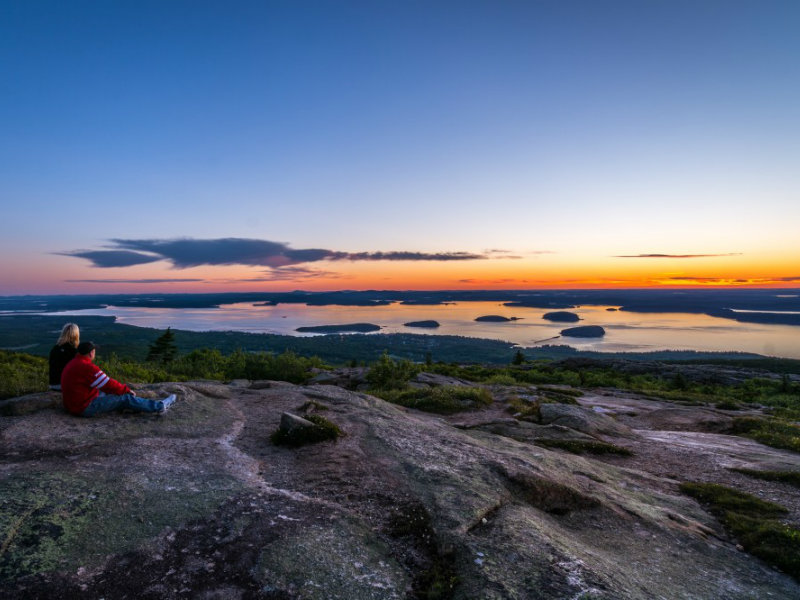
{"points": [[568, 133]]}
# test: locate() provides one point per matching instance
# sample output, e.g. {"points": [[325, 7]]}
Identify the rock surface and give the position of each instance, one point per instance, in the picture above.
{"points": [[199, 504], [290, 423]]}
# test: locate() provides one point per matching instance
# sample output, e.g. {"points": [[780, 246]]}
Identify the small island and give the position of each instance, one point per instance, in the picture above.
{"points": [[425, 324], [587, 331], [346, 328], [496, 319], [561, 316]]}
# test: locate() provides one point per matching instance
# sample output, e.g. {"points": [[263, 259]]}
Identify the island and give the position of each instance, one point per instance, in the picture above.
{"points": [[425, 324], [561, 316], [496, 319], [345, 328], [587, 331]]}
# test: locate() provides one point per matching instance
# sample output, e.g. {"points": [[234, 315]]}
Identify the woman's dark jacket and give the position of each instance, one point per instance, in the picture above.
{"points": [[59, 357]]}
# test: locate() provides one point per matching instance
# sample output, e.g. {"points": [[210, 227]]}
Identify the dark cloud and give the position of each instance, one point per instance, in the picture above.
{"points": [[133, 280], [186, 252], [676, 255], [113, 258]]}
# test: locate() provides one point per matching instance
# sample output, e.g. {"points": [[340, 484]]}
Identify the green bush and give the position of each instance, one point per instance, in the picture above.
{"points": [[728, 404], [21, 374], [770, 432], [388, 374]]}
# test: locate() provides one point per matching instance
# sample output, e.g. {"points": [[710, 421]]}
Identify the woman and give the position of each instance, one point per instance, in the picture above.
{"points": [[64, 351]]}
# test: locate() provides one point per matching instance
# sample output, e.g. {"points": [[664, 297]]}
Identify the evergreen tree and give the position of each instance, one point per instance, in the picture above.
{"points": [[519, 358], [163, 350]]}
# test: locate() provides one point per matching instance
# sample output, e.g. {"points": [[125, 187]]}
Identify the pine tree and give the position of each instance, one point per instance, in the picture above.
{"points": [[163, 350], [519, 358]]}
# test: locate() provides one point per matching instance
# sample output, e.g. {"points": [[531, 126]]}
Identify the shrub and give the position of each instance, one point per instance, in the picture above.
{"points": [[323, 430], [770, 432], [21, 374], [501, 379], [388, 374], [728, 404], [525, 410]]}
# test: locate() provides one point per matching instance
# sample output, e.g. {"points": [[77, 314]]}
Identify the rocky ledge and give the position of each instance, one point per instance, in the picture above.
{"points": [[199, 503]]}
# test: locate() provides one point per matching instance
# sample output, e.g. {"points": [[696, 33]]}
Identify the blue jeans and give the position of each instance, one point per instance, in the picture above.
{"points": [[108, 403]]}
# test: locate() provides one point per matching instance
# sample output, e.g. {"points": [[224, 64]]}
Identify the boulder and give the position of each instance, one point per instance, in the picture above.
{"points": [[291, 423], [583, 419], [687, 419]]}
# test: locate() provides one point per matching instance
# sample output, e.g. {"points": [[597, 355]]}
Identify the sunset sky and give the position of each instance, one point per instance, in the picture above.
{"points": [[209, 146]]}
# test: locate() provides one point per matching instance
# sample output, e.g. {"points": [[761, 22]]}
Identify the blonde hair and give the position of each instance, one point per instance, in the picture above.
{"points": [[70, 334]]}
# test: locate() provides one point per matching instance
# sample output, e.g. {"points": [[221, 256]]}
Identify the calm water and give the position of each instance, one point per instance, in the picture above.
{"points": [[625, 331]]}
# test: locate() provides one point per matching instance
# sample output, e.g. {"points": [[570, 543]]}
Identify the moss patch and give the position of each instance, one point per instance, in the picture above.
{"points": [[440, 400], [58, 521], [585, 447], [754, 522], [322, 431]]}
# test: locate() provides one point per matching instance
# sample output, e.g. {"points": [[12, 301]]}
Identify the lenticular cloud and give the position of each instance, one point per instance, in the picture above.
{"points": [[187, 252]]}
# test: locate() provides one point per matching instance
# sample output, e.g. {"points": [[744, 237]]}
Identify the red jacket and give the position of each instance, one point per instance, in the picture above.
{"points": [[82, 381]]}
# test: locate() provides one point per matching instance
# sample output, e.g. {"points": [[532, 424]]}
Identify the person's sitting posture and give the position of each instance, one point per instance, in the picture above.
{"points": [[64, 351], [87, 391]]}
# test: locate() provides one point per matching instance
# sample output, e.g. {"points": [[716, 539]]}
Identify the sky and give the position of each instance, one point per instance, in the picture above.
{"points": [[191, 146]]}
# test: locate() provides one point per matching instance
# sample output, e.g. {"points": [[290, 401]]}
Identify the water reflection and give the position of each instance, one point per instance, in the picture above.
{"points": [[625, 331]]}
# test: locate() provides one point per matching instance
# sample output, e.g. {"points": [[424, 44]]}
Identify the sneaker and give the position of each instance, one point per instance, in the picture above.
{"points": [[167, 402]]}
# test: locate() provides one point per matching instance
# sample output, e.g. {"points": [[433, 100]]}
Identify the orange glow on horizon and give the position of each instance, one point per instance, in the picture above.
{"points": [[540, 272]]}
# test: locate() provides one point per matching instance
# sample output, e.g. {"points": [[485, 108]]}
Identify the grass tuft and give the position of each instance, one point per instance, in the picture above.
{"points": [[790, 477], [770, 432], [323, 430], [754, 522], [585, 447], [443, 400]]}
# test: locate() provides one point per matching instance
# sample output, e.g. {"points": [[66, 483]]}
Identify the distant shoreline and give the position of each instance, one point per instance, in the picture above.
{"points": [[752, 305]]}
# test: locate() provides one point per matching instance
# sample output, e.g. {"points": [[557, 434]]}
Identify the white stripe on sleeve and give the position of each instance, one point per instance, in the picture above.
{"points": [[101, 382]]}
